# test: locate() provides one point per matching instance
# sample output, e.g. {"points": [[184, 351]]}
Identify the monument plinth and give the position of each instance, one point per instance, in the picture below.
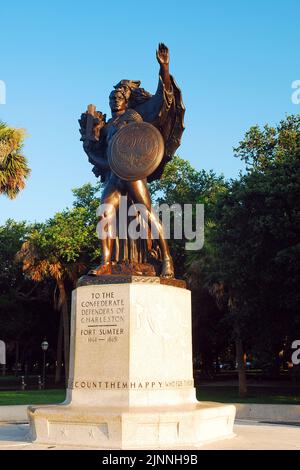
{"points": [[131, 377]]}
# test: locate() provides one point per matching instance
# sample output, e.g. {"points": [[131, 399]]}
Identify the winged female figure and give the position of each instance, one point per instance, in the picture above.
{"points": [[134, 113]]}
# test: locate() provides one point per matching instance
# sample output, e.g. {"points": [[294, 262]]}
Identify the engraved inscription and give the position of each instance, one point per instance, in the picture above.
{"points": [[131, 385], [102, 317]]}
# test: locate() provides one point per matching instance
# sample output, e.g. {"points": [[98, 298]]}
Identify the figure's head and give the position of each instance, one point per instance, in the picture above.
{"points": [[118, 100], [127, 93]]}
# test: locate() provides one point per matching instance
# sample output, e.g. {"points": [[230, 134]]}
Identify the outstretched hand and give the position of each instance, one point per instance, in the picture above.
{"points": [[162, 54]]}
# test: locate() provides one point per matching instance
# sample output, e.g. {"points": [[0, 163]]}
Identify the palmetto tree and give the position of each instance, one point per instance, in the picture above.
{"points": [[13, 165], [61, 249], [39, 263]]}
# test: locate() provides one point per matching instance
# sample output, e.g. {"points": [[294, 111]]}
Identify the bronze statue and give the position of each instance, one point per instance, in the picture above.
{"points": [[130, 149]]}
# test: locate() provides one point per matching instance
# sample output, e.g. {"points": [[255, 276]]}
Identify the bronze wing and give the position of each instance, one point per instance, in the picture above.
{"points": [[171, 128]]}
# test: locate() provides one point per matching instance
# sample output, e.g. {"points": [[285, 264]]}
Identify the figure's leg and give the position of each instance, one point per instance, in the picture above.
{"points": [[139, 193], [110, 200]]}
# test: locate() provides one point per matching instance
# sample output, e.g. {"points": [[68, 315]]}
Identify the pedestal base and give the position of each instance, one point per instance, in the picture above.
{"points": [[131, 376], [135, 428]]}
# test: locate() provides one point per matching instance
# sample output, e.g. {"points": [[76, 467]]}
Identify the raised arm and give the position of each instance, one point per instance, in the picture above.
{"points": [[163, 58]]}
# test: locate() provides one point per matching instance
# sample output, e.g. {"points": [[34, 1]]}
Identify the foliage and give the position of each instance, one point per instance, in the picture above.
{"points": [[50, 254], [244, 281], [270, 145], [14, 168], [65, 244], [24, 308], [60, 250], [257, 239], [183, 184], [12, 235]]}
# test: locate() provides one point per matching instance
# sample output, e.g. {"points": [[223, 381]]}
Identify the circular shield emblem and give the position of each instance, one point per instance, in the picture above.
{"points": [[135, 151]]}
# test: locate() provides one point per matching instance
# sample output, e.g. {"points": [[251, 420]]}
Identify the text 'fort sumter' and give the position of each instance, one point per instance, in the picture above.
{"points": [[102, 317]]}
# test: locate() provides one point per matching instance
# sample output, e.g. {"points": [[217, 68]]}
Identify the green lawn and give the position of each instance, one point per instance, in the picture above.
{"points": [[34, 397], [275, 396], [207, 393]]}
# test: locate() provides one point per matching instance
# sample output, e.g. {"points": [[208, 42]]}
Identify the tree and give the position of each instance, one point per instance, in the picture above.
{"points": [[250, 260], [257, 240], [14, 168], [183, 184], [61, 250], [24, 306], [12, 235], [262, 148]]}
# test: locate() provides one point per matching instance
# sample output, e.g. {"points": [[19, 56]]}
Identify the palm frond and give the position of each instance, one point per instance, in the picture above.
{"points": [[14, 169]]}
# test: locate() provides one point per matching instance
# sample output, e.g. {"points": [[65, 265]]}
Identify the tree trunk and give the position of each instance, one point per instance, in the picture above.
{"points": [[65, 315], [239, 350], [59, 350], [240, 359], [17, 358], [217, 366]]}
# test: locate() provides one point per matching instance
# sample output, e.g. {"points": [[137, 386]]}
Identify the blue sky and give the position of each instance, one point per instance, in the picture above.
{"points": [[234, 60]]}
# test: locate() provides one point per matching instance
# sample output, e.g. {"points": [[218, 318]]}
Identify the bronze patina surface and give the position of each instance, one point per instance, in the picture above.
{"points": [[127, 278], [127, 151], [136, 151]]}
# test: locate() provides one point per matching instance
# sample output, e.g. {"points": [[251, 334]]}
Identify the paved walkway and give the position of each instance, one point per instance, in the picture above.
{"points": [[250, 435]]}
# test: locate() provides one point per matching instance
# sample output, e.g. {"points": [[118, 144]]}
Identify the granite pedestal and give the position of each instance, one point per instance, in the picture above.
{"points": [[131, 377]]}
